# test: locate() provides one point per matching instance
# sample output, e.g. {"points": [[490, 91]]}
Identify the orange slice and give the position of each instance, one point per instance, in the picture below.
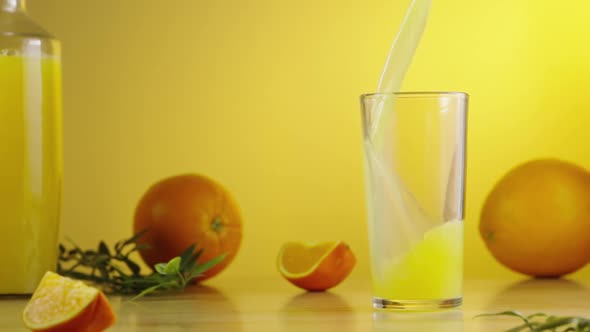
{"points": [[61, 304], [315, 267]]}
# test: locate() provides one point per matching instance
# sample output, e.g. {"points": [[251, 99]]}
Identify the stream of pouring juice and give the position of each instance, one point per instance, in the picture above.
{"points": [[414, 257], [30, 170]]}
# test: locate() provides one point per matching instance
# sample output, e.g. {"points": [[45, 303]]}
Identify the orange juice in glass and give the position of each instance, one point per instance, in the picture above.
{"points": [[414, 173]]}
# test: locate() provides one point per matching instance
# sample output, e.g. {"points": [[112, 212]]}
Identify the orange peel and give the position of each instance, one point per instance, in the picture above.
{"points": [[315, 266]]}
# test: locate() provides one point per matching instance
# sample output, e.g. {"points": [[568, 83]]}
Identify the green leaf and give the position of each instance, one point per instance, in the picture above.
{"points": [[134, 238], [583, 324], [160, 268], [104, 273], [191, 262], [103, 249], [132, 266], [198, 270], [513, 313], [185, 257], [105, 267], [197, 255], [556, 322], [172, 266], [168, 268], [145, 292], [541, 322], [142, 246], [538, 314]]}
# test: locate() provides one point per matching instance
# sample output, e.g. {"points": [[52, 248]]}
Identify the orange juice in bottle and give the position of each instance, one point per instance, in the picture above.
{"points": [[30, 150]]}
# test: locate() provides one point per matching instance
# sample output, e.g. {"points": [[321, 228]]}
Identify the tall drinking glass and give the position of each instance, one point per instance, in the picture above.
{"points": [[414, 149]]}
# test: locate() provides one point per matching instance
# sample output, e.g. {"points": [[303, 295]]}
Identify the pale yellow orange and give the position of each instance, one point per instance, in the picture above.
{"points": [[536, 220]]}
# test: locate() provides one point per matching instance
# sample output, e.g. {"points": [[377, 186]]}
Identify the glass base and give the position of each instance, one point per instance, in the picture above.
{"points": [[416, 305]]}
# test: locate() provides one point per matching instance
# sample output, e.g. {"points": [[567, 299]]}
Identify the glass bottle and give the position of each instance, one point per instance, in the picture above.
{"points": [[30, 149]]}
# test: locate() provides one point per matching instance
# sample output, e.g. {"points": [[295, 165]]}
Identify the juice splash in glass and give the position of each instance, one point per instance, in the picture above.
{"points": [[414, 171], [30, 150]]}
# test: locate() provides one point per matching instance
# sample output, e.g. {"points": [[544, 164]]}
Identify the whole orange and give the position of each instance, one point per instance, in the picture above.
{"points": [[536, 220], [189, 209]]}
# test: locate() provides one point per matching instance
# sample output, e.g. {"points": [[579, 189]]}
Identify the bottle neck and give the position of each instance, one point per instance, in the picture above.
{"points": [[12, 6]]}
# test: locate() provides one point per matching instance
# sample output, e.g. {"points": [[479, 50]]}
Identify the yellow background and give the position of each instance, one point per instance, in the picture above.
{"points": [[262, 95]]}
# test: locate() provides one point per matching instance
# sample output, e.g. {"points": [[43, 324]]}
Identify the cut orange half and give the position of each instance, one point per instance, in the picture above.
{"points": [[61, 304], [315, 266]]}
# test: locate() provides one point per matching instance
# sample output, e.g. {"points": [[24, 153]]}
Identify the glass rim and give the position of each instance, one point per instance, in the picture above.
{"points": [[416, 94]]}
